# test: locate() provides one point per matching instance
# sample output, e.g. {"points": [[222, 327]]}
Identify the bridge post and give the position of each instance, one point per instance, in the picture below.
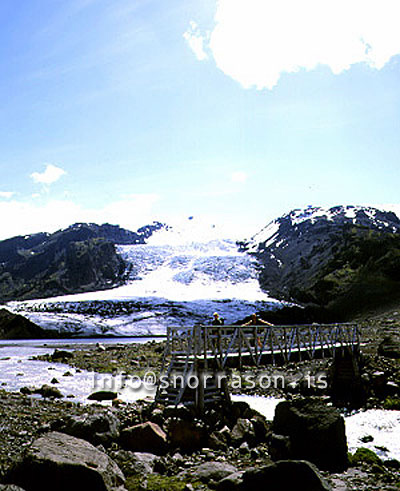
{"points": [[240, 347]]}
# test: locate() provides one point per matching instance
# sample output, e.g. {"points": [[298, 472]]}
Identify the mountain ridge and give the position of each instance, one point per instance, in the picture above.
{"points": [[342, 259], [80, 258]]}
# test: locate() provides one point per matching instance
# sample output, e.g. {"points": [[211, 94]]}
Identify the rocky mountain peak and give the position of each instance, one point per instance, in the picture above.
{"points": [[313, 219], [342, 257]]}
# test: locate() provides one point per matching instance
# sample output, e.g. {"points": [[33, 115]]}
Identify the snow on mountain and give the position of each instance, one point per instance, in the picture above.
{"points": [[179, 277], [357, 215], [342, 258]]}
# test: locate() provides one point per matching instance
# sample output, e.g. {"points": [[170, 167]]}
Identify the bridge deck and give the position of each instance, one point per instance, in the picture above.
{"points": [[194, 349], [217, 345]]}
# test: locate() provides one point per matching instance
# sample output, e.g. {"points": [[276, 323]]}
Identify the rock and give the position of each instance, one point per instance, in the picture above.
{"points": [[216, 442], [62, 462], [157, 416], [232, 482], [27, 391], [214, 471], [134, 463], [367, 439], [10, 487], [392, 389], [145, 437], [346, 385], [379, 383], [48, 391], [261, 427], [316, 433], [178, 458], [15, 326], [284, 475], [61, 355], [242, 431], [239, 409], [186, 435], [279, 447], [390, 347], [392, 464], [99, 428], [103, 395], [54, 381], [244, 448]]}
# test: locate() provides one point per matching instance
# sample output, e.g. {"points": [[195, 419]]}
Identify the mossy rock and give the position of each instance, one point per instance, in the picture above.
{"points": [[392, 403], [156, 482], [364, 456]]}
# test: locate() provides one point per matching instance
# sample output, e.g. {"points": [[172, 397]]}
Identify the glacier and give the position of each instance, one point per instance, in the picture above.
{"points": [[177, 278]]}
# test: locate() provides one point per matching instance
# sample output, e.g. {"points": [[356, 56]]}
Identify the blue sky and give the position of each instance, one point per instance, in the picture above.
{"points": [[234, 111]]}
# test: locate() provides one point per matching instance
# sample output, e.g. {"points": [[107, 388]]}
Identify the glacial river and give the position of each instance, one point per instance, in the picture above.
{"points": [[17, 369]]}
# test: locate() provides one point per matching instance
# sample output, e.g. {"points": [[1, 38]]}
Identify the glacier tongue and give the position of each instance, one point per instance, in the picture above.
{"points": [[169, 282]]}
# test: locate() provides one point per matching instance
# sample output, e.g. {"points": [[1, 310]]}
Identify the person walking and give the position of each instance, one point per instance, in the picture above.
{"points": [[256, 321]]}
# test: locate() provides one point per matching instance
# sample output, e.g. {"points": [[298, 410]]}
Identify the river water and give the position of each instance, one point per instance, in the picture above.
{"points": [[17, 370]]}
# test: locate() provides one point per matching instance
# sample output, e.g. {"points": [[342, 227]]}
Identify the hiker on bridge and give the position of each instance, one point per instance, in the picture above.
{"points": [[256, 321], [217, 321]]}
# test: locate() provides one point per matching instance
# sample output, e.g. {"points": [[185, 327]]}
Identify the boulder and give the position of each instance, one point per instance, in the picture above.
{"points": [[61, 355], [62, 462], [390, 347], [284, 475], [188, 436], [49, 391], [134, 463], [242, 431], [216, 442], [99, 428], [346, 384], [144, 437], [10, 487], [213, 471], [15, 326], [103, 395], [279, 447], [316, 433], [232, 482]]}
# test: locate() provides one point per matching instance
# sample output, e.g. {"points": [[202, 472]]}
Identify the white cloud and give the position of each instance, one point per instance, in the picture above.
{"points": [[50, 175], [196, 41], [22, 217], [255, 41], [239, 176], [6, 194]]}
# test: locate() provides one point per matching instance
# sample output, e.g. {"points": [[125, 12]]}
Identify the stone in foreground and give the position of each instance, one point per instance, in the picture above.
{"points": [[214, 471], [316, 433], [100, 428], [285, 475], [10, 487], [103, 395], [61, 462], [145, 437]]}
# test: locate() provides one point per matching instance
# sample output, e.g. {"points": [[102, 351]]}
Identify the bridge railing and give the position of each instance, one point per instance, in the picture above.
{"points": [[257, 344]]}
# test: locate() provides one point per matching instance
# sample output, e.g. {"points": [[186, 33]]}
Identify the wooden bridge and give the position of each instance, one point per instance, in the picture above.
{"points": [[200, 349]]}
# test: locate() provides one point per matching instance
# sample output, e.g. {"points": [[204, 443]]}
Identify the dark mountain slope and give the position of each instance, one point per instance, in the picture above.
{"points": [[345, 260], [80, 258]]}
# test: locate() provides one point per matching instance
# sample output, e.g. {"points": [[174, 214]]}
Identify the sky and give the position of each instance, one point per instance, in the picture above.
{"points": [[231, 111]]}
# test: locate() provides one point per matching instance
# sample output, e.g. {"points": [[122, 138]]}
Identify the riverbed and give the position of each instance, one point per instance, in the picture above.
{"points": [[18, 369]]}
